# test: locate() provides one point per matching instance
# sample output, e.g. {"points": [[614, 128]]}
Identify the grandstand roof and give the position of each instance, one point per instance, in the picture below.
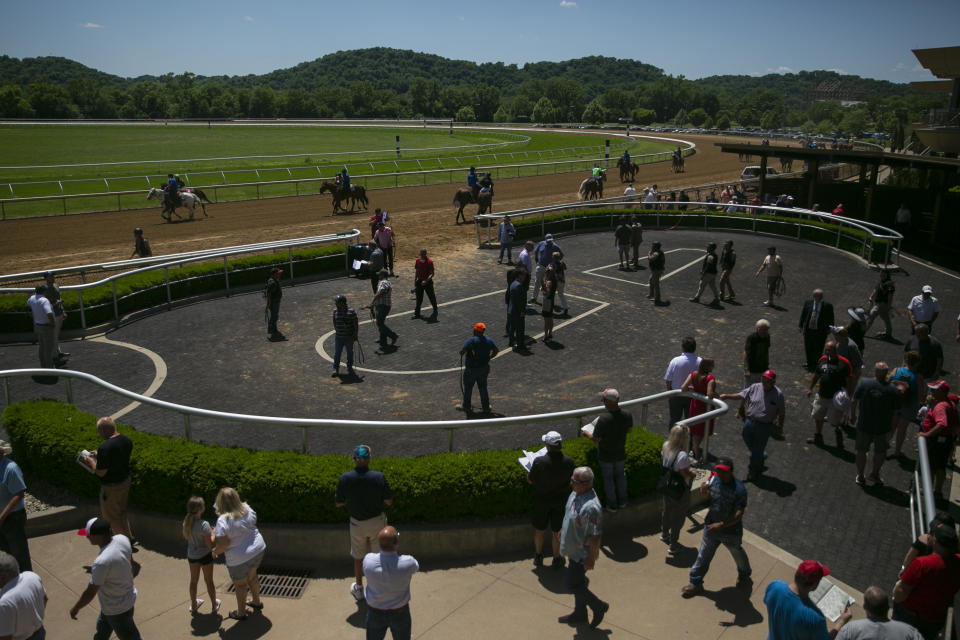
{"points": [[943, 62], [854, 157], [933, 86]]}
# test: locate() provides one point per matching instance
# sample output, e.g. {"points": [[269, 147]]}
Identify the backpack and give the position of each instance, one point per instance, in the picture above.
{"points": [[671, 482]]}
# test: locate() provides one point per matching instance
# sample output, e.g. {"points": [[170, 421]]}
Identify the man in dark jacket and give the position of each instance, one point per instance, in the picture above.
{"points": [[550, 476], [815, 321]]}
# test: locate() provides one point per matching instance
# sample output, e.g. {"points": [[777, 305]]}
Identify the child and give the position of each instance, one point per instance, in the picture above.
{"points": [[928, 404], [199, 539]]}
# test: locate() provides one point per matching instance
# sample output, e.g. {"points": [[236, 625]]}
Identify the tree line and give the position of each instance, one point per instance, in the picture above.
{"points": [[388, 83]]}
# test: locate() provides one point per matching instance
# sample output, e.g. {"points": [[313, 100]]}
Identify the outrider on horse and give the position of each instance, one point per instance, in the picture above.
{"points": [[483, 198], [356, 194]]}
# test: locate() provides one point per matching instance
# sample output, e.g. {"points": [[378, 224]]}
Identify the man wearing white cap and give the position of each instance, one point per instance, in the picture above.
{"points": [[610, 434], [550, 476], [111, 580], [923, 309]]}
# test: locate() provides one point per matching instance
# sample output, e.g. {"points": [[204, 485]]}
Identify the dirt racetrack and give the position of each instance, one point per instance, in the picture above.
{"points": [[420, 216]]}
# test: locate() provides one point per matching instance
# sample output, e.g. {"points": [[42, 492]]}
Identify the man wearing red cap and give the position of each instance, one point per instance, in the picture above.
{"points": [[926, 589], [764, 405], [938, 428], [790, 612], [479, 349]]}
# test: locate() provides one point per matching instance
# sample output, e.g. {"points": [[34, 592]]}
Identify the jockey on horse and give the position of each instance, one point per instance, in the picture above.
{"points": [[626, 158], [343, 178], [485, 184], [173, 191], [473, 183]]}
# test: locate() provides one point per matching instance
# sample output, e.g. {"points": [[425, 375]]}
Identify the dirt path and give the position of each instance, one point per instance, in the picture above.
{"points": [[419, 216]]}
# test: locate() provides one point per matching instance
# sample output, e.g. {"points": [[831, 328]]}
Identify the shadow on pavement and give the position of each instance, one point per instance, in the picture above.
{"points": [[622, 548], [737, 602], [780, 487], [255, 626]]}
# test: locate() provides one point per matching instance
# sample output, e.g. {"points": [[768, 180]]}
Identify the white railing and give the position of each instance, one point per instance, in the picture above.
{"points": [[145, 265], [750, 214], [451, 426], [502, 171], [922, 504]]}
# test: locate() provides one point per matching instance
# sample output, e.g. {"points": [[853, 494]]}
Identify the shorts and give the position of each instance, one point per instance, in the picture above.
{"points": [[547, 512], [823, 408], [242, 570], [113, 500], [879, 441], [207, 559], [363, 533]]}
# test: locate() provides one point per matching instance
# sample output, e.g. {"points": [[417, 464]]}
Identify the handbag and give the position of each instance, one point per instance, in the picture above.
{"points": [[671, 483]]}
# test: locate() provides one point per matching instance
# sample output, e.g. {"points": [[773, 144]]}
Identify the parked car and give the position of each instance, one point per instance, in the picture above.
{"points": [[753, 172]]}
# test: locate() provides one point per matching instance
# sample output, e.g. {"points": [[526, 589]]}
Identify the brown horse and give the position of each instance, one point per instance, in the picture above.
{"points": [[628, 170], [464, 196], [357, 194], [678, 163], [592, 187]]}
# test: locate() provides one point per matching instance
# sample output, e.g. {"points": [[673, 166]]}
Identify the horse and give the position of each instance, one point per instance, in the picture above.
{"points": [[677, 163], [357, 194], [592, 187], [628, 170], [187, 199], [464, 196]]}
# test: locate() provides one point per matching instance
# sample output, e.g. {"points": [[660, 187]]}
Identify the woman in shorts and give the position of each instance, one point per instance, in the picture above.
{"points": [[199, 537], [238, 538]]}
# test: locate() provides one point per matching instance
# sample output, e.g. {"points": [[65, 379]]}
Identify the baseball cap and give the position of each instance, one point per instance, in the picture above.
{"points": [[549, 236], [770, 374], [811, 571], [480, 327], [939, 384], [552, 438], [339, 299], [361, 451], [6, 449], [927, 289], [610, 394], [945, 535], [95, 527]]}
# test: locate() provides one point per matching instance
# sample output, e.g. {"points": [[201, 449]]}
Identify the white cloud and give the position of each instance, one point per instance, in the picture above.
{"points": [[780, 69], [900, 66], [92, 25], [247, 18], [567, 3]]}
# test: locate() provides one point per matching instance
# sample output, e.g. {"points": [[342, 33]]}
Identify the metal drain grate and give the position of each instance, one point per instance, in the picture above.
{"points": [[280, 583]]}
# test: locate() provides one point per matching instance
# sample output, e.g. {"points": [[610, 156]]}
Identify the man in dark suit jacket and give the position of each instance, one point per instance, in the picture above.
{"points": [[815, 321]]}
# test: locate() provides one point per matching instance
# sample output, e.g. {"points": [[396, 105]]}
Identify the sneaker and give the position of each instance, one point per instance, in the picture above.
{"points": [[598, 614], [767, 303], [558, 562], [860, 480], [694, 299], [538, 560], [691, 590], [356, 591], [674, 549], [460, 407]]}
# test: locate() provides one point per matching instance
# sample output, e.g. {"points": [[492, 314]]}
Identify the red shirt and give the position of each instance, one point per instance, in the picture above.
{"points": [[944, 413], [934, 581], [424, 269]]}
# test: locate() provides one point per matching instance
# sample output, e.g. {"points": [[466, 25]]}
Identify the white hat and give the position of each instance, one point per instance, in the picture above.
{"points": [[927, 289], [610, 394], [5, 448], [552, 438]]}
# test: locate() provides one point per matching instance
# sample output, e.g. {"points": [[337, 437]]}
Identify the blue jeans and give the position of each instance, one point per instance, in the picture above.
{"points": [[708, 547], [378, 621], [576, 582], [755, 436], [478, 376], [614, 482], [338, 346], [274, 314], [385, 331], [120, 624]]}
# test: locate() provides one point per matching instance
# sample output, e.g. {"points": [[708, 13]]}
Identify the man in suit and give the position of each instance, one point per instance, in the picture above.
{"points": [[815, 321]]}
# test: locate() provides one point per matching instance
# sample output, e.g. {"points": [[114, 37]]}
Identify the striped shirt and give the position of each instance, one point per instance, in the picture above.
{"points": [[384, 290], [345, 322]]}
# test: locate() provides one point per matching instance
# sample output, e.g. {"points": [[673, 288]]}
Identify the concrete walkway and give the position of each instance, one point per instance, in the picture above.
{"points": [[505, 599]]}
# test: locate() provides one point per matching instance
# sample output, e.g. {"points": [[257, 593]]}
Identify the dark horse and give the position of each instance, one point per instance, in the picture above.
{"points": [[592, 187], [628, 170], [464, 196], [677, 162], [357, 194]]}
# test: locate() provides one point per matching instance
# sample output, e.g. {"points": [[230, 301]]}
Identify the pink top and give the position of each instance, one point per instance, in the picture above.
{"points": [[384, 236]]}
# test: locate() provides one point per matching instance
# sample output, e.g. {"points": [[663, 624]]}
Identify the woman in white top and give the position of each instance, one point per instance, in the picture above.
{"points": [[674, 457], [237, 537]]}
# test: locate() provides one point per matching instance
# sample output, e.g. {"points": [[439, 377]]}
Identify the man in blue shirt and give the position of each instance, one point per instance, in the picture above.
{"points": [[790, 612], [479, 349], [388, 588], [723, 525], [13, 514], [580, 543], [344, 182]]}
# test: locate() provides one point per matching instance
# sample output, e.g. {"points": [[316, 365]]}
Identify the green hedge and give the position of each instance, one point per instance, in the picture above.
{"points": [[294, 487], [146, 290], [821, 232]]}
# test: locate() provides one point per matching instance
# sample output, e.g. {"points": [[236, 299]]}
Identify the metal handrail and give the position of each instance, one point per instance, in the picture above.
{"points": [[922, 503], [872, 231], [719, 408]]}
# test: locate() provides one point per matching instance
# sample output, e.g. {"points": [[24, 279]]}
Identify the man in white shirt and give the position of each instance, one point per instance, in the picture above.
{"points": [[44, 325], [111, 580], [923, 309], [388, 577], [630, 192], [677, 371], [23, 602]]}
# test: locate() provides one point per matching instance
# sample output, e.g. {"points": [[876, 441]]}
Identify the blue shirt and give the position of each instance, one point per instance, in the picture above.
{"points": [[791, 617], [364, 491], [11, 483], [583, 519], [726, 498], [471, 178], [478, 349], [544, 252], [388, 579], [172, 186]]}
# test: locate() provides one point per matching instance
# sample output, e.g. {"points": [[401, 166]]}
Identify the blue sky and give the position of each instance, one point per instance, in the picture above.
{"points": [[694, 38]]}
